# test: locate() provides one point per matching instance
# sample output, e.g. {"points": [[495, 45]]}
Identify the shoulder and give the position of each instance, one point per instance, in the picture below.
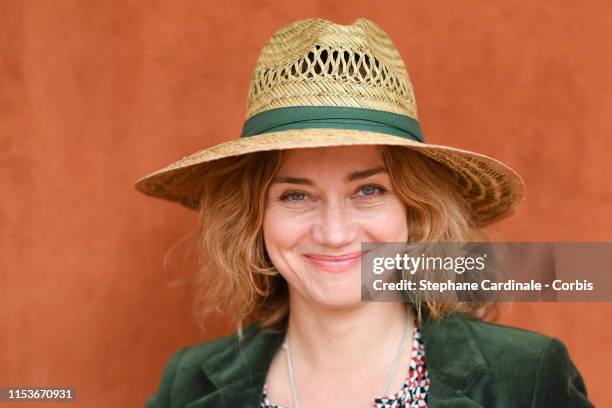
{"points": [[525, 364], [198, 354], [497, 340], [492, 341], [183, 378]]}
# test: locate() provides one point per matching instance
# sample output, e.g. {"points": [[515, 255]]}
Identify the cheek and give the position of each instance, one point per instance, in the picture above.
{"points": [[272, 232], [282, 230], [389, 223], [283, 234]]}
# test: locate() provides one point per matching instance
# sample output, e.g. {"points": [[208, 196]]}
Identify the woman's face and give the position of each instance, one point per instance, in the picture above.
{"points": [[321, 205]]}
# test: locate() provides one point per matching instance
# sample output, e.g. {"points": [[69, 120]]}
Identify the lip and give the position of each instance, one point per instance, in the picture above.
{"points": [[335, 263]]}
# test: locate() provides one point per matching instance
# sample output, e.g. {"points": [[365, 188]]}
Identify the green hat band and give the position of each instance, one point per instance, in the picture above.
{"points": [[337, 117]]}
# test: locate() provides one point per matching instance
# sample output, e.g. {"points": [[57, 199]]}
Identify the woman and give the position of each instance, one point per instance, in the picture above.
{"points": [[332, 156]]}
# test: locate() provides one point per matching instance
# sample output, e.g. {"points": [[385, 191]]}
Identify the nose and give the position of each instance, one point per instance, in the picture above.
{"points": [[334, 225]]}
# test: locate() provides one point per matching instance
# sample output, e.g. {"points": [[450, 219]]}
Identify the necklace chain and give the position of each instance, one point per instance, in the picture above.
{"points": [[396, 360]]}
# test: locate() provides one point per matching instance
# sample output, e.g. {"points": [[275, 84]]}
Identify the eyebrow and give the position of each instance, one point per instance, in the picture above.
{"points": [[356, 175]]}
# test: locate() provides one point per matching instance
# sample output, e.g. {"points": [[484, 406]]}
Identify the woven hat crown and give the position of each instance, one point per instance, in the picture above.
{"points": [[316, 62]]}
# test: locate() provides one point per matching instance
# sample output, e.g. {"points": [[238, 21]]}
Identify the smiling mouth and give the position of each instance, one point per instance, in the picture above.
{"points": [[335, 263]]}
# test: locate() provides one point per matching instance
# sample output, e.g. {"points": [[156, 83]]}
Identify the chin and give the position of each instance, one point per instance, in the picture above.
{"points": [[338, 297]]}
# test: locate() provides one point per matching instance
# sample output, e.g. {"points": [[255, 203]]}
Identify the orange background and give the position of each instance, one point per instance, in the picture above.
{"points": [[95, 94]]}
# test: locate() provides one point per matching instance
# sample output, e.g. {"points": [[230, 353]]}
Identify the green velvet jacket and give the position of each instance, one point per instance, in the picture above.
{"points": [[471, 364]]}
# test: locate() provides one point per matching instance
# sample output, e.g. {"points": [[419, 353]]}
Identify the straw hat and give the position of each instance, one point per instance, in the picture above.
{"points": [[317, 83]]}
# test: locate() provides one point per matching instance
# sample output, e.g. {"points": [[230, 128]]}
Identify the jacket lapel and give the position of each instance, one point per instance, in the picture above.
{"points": [[453, 359], [239, 371]]}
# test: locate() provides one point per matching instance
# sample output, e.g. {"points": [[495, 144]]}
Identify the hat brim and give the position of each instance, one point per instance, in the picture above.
{"points": [[493, 189]]}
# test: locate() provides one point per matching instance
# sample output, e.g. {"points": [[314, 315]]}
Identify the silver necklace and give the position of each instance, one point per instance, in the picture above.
{"points": [[396, 360]]}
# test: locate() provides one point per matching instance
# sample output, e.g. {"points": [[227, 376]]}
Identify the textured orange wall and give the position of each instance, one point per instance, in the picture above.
{"points": [[94, 94]]}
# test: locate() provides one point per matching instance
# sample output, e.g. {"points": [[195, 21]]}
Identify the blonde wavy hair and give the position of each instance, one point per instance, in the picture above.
{"points": [[234, 275]]}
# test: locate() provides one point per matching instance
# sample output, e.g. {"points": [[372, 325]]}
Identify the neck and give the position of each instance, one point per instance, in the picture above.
{"points": [[331, 340]]}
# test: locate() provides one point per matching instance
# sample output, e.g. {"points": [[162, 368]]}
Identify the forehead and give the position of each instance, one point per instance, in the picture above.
{"points": [[333, 157]]}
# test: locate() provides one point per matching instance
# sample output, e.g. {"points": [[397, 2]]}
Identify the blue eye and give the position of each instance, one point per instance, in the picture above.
{"points": [[295, 196], [370, 190]]}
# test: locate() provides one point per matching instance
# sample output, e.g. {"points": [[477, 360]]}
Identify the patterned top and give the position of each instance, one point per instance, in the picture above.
{"points": [[414, 389]]}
